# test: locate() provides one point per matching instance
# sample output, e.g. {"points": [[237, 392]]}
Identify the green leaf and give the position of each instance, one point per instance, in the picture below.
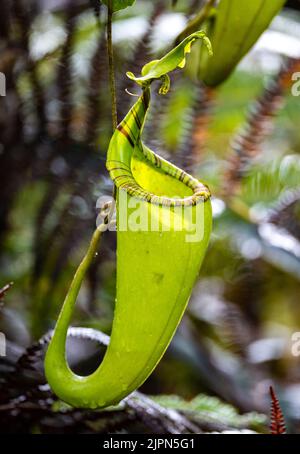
{"points": [[117, 5], [211, 409], [176, 58], [233, 31]]}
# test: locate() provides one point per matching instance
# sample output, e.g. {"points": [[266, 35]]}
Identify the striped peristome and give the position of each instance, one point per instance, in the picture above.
{"points": [[126, 140]]}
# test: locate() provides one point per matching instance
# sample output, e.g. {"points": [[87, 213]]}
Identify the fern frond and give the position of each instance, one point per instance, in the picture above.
{"points": [[22, 19], [64, 77], [247, 143], [277, 424], [283, 213], [196, 133]]}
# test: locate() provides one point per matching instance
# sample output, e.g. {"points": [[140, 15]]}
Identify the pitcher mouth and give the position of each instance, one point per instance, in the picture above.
{"points": [[201, 194], [125, 180], [121, 156]]}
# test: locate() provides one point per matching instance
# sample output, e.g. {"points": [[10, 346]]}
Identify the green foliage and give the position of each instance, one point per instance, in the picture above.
{"points": [[233, 30], [213, 410], [117, 5], [267, 179], [158, 69]]}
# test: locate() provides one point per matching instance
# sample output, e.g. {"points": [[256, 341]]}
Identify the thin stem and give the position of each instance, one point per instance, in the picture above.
{"points": [[110, 53], [74, 289], [82, 269]]}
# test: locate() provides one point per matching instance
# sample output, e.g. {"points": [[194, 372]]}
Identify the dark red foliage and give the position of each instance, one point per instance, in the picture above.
{"points": [[277, 424]]}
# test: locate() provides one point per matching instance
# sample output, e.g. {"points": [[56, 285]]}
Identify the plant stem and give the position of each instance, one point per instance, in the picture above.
{"points": [[82, 268], [78, 278], [110, 53], [112, 81]]}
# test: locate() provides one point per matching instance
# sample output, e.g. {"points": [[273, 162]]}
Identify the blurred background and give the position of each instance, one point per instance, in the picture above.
{"points": [[242, 139]]}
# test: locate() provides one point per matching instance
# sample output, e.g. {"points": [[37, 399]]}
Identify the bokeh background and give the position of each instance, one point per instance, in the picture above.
{"points": [[242, 139]]}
